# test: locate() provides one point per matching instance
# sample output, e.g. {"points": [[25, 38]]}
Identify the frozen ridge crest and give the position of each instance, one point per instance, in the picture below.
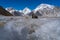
{"points": [[42, 6]]}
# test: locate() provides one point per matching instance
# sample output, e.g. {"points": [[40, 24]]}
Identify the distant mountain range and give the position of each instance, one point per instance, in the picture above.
{"points": [[41, 10]]}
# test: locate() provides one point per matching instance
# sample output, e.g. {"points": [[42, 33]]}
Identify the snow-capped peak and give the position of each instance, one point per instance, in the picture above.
{"points": [[26, 10], [42, 6], [10, 8], [45, 6]]}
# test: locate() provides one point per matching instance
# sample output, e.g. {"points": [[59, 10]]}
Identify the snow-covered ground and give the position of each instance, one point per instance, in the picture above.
{"points": [[31, 29]]}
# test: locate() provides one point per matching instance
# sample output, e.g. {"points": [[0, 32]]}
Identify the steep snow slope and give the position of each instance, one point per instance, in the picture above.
{"points": [[43, 6]]}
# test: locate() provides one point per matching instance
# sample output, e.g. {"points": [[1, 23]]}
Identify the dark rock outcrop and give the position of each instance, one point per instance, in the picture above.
{"points": [[4, 12], [38, 13], [34, 15], [16, 13]]}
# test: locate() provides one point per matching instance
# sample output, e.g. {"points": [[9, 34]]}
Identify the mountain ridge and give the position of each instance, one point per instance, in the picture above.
{"points": [[40, 10]]}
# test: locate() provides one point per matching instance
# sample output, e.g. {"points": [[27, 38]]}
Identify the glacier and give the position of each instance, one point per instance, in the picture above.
{"points": [[31, 29]]}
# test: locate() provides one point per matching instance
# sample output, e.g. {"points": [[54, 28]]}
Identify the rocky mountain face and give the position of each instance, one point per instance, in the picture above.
{"points": [[3, 12]]}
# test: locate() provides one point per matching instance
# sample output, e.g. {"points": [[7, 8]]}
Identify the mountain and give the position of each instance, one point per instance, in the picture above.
{"points": [[3, 12], [11, 10], [44, 6], [14, 12], [26, 11], [45, 10], [30, 14], [42, 10]]}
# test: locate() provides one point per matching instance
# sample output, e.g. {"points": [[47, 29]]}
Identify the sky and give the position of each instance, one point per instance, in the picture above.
{"points": [[32, 4]]}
